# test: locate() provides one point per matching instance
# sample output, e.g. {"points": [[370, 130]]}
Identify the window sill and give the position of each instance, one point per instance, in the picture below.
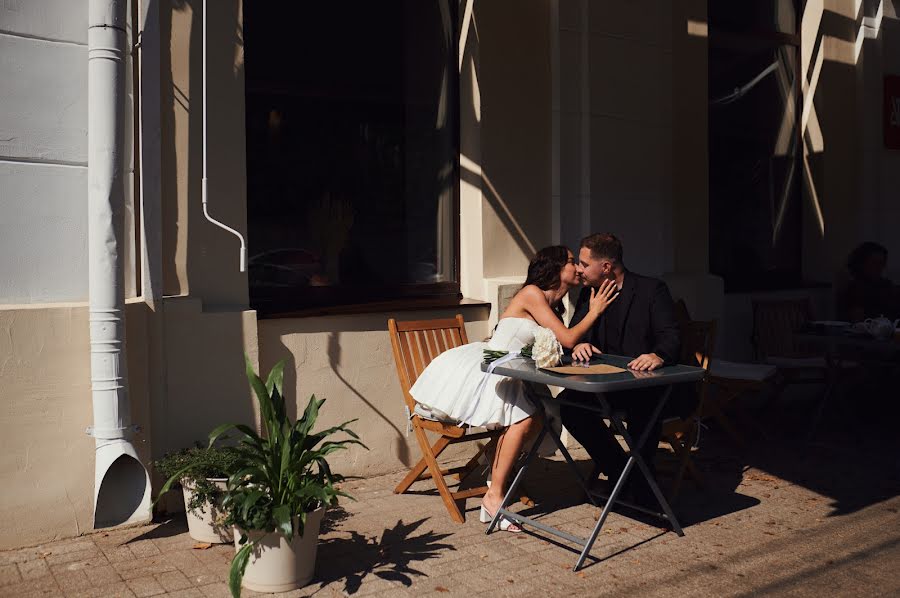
{"points": [[377, 307]]}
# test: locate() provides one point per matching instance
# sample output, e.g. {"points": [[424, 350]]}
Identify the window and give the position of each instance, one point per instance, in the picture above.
{"points": [[352, 152], [755, 167]]}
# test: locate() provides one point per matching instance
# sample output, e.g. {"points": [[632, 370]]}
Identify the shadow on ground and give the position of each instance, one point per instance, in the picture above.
{"points": [[850, 456], [391, 557]]}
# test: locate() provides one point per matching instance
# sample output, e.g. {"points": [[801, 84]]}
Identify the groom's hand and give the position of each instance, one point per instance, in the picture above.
{"points": [[584, 352], [646, 362]]}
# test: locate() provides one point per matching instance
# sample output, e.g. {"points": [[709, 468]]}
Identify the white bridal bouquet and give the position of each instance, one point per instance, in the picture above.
{"points": [[545, 350]]}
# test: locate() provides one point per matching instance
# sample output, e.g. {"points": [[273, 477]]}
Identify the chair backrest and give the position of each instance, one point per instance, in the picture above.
{"points": [[681, 312], [697, 342], [416, 343], [774, 323]]}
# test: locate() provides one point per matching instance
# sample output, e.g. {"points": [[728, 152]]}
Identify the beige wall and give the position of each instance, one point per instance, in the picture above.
{"points": [[854, 177], [505, 140], [198, 258], [47, 464], [347, 360], [203, 372], [514, 50]]}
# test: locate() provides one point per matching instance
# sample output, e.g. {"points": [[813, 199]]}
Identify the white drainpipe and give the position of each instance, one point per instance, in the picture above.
{"points": [[121, 483]]}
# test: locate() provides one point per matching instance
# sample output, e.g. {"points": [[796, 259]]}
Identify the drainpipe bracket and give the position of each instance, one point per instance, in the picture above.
{"points": [[111, 433]]}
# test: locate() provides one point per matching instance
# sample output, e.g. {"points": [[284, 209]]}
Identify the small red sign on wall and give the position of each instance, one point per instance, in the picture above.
{"points": [[892, 112]]}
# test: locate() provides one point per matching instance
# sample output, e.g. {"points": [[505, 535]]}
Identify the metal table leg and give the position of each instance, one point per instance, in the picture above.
{"points": [[634, 457]]}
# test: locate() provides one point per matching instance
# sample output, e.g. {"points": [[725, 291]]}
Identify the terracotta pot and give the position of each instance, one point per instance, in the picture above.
{"points": [[277, 565], [202, 526]]}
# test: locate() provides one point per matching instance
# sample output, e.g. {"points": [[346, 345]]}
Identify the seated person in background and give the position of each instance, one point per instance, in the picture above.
{"points": [[868, 294]]}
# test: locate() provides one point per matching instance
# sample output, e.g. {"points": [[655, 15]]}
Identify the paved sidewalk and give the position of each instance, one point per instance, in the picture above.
{"points": [[825, 524]]}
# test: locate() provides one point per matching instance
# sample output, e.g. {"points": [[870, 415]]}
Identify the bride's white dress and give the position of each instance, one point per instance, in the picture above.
{"points": [[449, 386]]}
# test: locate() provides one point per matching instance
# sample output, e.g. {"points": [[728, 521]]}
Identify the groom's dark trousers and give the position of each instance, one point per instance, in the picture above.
{"points": [[641, 320]]}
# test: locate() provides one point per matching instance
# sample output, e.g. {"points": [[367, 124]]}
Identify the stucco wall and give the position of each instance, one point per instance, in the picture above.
{"points": [[347, 360], [203, 369], [854, 177], [198, 258], [43, 151], [630, 87], [514, 51], [47, 465]]}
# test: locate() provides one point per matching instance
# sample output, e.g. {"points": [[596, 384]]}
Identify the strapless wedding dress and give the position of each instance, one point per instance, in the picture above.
{"points": [[451, 386]]}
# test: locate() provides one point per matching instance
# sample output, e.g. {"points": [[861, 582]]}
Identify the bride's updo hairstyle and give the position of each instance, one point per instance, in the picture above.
{"points": [[545, 266]]}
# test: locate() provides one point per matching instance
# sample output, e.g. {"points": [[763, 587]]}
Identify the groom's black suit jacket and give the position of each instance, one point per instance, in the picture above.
{"points": [[641, 320]]}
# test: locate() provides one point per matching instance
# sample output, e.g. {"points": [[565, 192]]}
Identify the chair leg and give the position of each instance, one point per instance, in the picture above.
{"points": [[439, 482], [682, 450], [715, 407], [420, 467]]}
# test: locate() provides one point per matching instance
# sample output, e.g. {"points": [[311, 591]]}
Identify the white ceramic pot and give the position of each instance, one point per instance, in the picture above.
{"points": [[203, 527], [277, 565]]}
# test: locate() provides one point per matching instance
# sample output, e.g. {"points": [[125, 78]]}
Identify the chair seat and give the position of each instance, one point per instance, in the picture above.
{"points": [[805, 363], [434, 415], [733, 370], [796, 363]]}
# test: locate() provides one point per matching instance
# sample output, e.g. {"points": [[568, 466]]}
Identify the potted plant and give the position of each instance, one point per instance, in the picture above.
{"points": [[280, 488], [202, 473]]}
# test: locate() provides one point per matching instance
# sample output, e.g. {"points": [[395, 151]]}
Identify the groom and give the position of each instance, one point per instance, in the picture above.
{"points": [[639, 323]]}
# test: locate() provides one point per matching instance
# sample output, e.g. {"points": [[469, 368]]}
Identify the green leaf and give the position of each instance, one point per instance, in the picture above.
{"points": [[238, 566], [310, 415], [282, 516], [218, 431], [262, 394], [276, 378]]}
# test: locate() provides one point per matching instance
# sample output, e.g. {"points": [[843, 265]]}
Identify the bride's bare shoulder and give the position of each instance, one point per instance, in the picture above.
{"points": [[530, 292], [523, 302]]}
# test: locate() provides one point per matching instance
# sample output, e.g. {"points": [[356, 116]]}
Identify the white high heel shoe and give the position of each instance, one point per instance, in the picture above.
{"points": [[505, 524]]}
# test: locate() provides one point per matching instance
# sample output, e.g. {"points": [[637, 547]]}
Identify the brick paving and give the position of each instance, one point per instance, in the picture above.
{"points": [[785, 521]]}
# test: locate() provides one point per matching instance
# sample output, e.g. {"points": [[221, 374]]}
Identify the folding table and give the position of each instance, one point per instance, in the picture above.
{"points": [[838, 343], [597, 384]]}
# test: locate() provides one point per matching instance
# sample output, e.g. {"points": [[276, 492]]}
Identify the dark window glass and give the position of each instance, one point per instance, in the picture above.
{"points": [[753, 16], [352, 151], [755, 167]]}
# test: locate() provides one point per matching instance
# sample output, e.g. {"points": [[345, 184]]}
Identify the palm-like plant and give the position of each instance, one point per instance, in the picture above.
{"points": [[281, 474]]}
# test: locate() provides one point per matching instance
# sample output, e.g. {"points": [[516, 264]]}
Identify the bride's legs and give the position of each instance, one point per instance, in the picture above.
{"points": [[509, 446]]}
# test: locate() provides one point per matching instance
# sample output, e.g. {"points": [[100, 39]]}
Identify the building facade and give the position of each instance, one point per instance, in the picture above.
{"points": [[521, 124]]}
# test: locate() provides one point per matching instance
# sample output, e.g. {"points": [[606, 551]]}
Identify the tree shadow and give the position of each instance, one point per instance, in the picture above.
{"points": [[334, 517], [391, 557]]}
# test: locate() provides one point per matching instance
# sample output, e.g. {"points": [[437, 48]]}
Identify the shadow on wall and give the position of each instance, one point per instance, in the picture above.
{"points": [[348, 361], [206, 383], [190, 244], [334, 352]]}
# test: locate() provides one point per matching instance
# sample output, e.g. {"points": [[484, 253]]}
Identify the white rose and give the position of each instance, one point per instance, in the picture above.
{"points": [[547, 352]]}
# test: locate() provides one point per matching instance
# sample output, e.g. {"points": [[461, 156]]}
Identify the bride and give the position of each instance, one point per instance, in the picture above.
{"points": [[449, 385]]}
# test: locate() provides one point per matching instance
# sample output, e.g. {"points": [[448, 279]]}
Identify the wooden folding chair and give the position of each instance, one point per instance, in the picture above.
{"points": [[415, 344], [697, 340]]}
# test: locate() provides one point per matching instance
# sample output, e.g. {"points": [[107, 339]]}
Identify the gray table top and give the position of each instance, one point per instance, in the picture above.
{"points": [[843, 338], [524, 369]]}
